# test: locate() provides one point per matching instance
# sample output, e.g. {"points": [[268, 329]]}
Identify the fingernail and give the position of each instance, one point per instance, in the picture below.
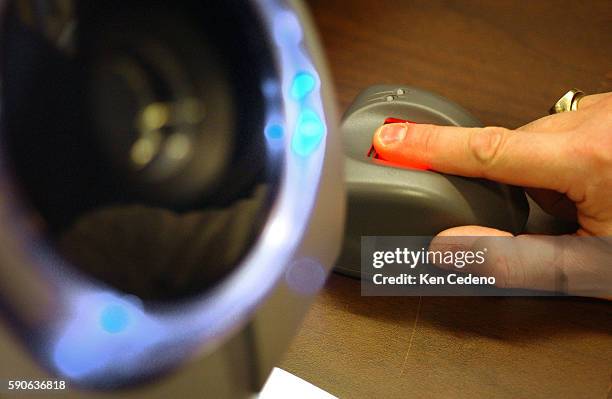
{"points": [[392, 133]]}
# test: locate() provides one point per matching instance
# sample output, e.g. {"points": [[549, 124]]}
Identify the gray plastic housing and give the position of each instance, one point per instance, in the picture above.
{"points": [[386, 200]]}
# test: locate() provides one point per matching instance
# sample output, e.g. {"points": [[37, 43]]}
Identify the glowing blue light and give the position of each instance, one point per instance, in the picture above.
{"points": [[287, 29], [274, 131], [114, 318], [270, 88], [303, 84], [105, 332], [309, 132], [80, 355]]}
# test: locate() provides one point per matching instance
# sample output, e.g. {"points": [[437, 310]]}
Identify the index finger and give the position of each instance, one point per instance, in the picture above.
{"points": [[591, 100], [529, 159]]}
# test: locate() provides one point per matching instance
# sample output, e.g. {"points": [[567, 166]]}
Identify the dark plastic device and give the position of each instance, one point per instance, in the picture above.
{"points": [[386, 199]]}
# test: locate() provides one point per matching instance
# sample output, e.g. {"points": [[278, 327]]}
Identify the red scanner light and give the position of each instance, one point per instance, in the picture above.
{"points": [[412, 165], [396, 120]]}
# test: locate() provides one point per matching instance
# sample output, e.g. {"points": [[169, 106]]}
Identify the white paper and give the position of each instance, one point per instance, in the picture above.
{"points": [[281, 385]]}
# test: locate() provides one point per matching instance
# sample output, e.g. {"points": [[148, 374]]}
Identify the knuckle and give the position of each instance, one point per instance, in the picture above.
{"points": [[486, 144]]}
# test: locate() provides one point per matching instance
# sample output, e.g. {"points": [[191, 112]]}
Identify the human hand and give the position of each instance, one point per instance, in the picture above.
{"points": [[565, 163]]}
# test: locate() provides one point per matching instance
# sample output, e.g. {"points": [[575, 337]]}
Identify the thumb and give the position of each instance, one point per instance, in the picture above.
{"points": [[567, 264]]}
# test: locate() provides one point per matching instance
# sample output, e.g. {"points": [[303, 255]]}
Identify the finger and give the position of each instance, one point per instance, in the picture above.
{"points": [[503, 261], [567, 264], [592, 100], [537, 160], [474, 231], [566, 121], [554, 203]]}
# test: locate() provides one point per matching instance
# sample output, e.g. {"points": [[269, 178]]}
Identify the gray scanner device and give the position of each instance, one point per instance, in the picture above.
{"points": [[388, 200]]}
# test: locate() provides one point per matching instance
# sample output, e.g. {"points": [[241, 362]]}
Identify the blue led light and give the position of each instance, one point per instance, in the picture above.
{"points": [[303, 84], [309, 132], [270, 88], [105, 332], [274, 131], [287, 29], [114, 318]]}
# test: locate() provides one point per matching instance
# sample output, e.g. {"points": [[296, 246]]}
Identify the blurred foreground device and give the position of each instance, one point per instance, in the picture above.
{"points": [[171, 193]]}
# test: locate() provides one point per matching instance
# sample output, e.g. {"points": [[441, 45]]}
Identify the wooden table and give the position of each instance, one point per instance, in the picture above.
{"points": [[507, 63]]}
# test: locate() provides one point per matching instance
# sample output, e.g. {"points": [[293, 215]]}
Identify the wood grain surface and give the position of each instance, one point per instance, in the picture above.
{"points": [[506, 62]]}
